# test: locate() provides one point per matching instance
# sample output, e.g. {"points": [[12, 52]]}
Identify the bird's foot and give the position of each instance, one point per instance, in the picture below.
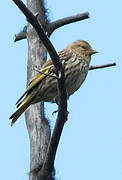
{"points": [[56, 111]]}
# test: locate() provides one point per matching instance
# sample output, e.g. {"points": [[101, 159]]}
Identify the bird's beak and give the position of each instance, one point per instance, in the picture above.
{"points": [[94, 52]]}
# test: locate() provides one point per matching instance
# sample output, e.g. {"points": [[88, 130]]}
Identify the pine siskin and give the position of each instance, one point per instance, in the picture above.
{"points": [[76, 58]]}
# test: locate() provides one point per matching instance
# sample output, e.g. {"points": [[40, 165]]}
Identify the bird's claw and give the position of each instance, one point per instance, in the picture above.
{"points": [[54, 112], [58, 111]]}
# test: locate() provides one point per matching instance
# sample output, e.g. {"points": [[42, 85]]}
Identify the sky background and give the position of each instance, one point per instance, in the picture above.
{"points": [[91, 143]]}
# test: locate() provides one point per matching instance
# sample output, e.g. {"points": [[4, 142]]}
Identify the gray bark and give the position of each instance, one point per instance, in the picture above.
{"points": [[37, 125]]}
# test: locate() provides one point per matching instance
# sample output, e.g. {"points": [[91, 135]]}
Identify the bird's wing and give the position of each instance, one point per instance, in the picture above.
{"points": [[65, 55], [46, 69], [42, 73]]}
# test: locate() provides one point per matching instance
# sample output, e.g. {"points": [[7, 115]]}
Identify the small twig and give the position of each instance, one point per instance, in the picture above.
{"points": [[46, 74], [64, 21], [21, 35], [102, 66]]}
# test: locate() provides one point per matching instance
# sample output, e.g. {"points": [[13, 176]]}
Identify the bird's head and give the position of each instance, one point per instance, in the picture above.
{"points": [[82, 47]]}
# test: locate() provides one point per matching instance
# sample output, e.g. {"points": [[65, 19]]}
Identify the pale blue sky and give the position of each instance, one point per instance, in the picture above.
{"points": [[91, 144]]}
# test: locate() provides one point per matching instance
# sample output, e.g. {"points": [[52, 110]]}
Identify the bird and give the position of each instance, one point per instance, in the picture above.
{"points": [[43, 87]]}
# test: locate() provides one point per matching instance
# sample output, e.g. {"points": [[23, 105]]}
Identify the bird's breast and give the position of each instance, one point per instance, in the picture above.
{"points": [[75, 74]]}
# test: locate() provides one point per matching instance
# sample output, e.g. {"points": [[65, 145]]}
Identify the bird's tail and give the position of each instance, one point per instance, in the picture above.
{"points": [[20, 109]]}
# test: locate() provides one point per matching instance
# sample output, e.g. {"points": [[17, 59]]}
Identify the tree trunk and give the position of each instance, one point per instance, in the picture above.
{"points": [[37, 125]]}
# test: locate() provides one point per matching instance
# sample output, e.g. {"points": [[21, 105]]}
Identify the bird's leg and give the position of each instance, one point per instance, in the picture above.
{"points": [[54, 112], [57, 102], [58, 111]]}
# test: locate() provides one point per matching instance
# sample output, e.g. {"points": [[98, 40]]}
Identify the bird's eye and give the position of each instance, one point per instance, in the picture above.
{"points": [[83, 47]]}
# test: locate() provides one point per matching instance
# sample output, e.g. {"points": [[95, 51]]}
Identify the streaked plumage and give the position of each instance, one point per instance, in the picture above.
{"points": [[76, 59]]}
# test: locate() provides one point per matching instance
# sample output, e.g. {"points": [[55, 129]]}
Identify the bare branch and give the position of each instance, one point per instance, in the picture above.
{"points": [[64, 21], [62, 112], [40, 31], [102, 66], [21, 35], [55, 25]]}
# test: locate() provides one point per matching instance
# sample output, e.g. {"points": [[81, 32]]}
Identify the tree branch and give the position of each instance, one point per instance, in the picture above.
{"points": [[55, 25], [21, 35], [62, 112], [102, 66], [40, 31], [64, 21]]}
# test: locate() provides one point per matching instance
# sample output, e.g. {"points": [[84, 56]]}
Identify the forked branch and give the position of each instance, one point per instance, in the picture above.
{"points": [[55, 25]]}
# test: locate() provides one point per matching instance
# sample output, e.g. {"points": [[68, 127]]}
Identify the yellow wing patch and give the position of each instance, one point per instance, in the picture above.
{"points": [[38, 77]]}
